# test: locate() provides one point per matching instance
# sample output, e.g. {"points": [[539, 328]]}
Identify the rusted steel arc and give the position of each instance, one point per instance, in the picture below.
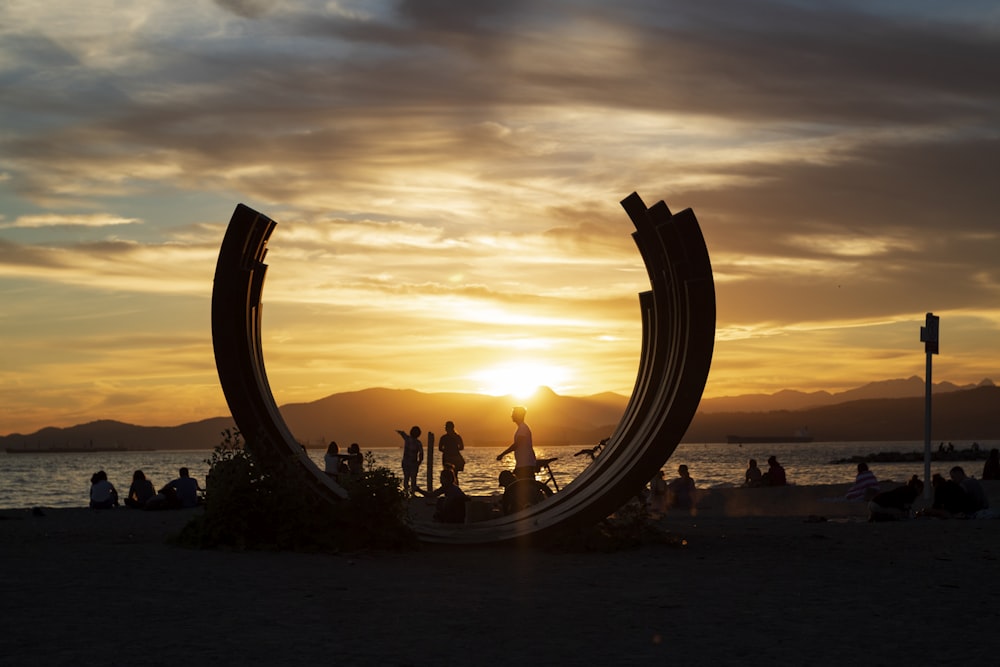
{"points": [[239, 358], [678, 322]]}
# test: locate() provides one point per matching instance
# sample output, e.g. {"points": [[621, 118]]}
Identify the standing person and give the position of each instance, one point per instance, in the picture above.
{"points": [[103, 495], [450, 445], [524, 451], [680, 492], [355, 461], [184, 489], [333, 462], [865, 485], [413, 456], [140, 491]]}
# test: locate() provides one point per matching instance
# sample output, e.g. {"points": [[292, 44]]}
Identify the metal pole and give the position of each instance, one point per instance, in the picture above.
{"points": [[927, 431], [430, 460]]}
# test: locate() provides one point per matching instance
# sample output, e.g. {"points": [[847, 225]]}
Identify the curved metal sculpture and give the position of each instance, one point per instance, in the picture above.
{"points": [[678, 325]]}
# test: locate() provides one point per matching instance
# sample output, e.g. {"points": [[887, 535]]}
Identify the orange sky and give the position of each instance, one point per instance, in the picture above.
{"points": [[447, 186]]}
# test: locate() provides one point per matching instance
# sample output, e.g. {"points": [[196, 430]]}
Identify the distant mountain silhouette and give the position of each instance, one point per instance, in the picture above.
{"points": [[890, 410], [789, 399]]}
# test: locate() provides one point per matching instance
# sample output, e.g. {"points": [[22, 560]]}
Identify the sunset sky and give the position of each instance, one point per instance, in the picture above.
{"points": [[446, 179]]}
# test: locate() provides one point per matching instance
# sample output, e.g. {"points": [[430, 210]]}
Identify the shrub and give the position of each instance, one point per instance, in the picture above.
{"points": [[250, 507]]}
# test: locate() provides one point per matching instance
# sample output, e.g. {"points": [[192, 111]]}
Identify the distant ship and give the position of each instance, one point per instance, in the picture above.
{"points": [[801, 436]]}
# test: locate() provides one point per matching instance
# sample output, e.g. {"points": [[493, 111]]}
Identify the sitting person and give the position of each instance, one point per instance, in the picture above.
{"points": [[894, 504], [775, 475], [991, 469], [865, 485], [183, 491], [681, 491], [753, 476], [658, 494], [140, 492], [974, 497], [103, 495], [451, 499]]}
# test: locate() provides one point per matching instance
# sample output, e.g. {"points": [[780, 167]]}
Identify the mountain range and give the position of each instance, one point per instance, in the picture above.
{"points": [[880, 411]]}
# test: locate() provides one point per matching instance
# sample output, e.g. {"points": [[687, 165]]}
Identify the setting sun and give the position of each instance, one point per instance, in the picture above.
{"points": [[521, 379]]}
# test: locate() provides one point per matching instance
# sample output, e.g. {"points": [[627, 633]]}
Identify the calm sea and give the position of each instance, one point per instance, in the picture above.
{"points": [[63, 480]]}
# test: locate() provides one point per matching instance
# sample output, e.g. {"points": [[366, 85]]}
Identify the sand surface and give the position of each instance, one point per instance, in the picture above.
{"points": [[760, 580]]}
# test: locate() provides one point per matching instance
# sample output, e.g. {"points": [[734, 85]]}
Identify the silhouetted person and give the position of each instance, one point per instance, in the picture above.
{"points": [[103, 495], [974, 496], [413, 456], [451, 445], [658, 493], [680, 491], [775, 475], [865, 484], [894, 504], [753, 476], [524, 451], [355, 460], [333, 462], [140, 492], [183, 491], [451, 499], [991, 469]]}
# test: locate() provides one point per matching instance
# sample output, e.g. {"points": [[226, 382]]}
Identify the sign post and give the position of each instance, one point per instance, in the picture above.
{"points": [[929, 337]]}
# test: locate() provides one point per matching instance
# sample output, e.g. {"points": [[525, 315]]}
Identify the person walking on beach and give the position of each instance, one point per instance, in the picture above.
{"points": [[184, 489], [524, 451], [413, 456], [140, 491], [103, 495], [451, 445], [865, 484]]}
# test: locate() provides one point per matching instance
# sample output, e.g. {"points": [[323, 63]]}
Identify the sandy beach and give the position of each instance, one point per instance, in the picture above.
{"points": [[765, 576]]}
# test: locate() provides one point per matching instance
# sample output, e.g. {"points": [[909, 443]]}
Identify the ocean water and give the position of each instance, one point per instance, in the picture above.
{"points": [[63, 480]]}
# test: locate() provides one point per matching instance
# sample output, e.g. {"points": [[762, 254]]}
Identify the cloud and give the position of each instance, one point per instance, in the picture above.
{"points": [[58, 220]]}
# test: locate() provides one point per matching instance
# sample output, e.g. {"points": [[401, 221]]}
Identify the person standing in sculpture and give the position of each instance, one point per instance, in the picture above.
{"points": [[524, 451], [413, 456], [451, 445]]}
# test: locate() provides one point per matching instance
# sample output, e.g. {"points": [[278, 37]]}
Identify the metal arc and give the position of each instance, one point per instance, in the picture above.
{"points": [[678, 337]]}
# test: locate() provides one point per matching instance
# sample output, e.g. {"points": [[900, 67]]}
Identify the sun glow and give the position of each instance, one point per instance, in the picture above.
{"points": [[521, 379]]}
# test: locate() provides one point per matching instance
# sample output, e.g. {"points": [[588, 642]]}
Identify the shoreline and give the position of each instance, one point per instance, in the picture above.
{"points": [[756, 579]]}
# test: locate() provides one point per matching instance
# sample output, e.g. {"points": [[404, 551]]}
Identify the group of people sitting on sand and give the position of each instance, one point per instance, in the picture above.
{"points": [[959, 497], [179, 493], [775, 475]]}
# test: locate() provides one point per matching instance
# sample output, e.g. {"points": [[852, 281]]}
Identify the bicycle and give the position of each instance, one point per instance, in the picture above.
{"points": [[521, 493]]}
